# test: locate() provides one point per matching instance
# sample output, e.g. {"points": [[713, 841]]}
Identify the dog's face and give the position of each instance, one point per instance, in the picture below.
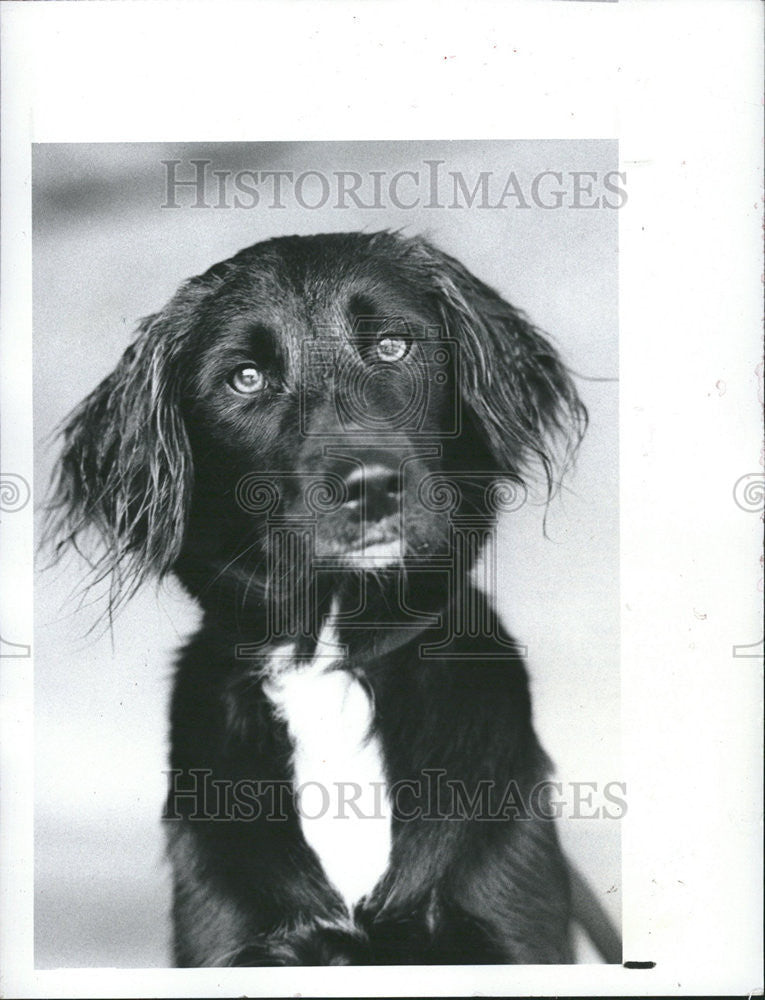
{"points": [[324, 392], [330, 403]]}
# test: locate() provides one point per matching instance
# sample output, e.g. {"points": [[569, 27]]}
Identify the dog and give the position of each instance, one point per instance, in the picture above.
{"points": [[315, 437]]}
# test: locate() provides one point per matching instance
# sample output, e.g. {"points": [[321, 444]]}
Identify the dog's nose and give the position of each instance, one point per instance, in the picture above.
{"points": [[375, 490]]}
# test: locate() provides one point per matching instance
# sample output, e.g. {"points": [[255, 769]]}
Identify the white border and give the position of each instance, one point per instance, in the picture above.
{"points": [[679, 85]]}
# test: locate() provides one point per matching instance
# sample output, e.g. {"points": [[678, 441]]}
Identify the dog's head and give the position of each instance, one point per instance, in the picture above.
{"points": [[332, 401]]}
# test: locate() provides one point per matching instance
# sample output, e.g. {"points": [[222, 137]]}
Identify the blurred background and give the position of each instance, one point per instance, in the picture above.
{"points": [[108, 250]]}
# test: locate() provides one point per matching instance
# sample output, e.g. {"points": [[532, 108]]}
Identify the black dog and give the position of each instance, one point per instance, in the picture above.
{"points": [[313, 436]]}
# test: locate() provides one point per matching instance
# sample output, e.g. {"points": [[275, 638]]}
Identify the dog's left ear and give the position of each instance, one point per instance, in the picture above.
{"points": [[125, 470], [513, 382]]}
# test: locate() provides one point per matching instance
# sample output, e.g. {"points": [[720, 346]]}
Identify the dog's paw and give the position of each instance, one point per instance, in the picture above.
{"points": [[308, 944]]}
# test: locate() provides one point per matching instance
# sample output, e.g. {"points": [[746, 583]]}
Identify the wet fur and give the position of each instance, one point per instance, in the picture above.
{"points": [[153, 461]]}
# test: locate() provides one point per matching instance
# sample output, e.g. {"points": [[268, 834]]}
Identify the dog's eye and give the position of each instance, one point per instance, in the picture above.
{"points": [[247, 379], [392, 348]]}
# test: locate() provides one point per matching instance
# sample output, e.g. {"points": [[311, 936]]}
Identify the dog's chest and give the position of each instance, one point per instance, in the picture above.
{"points": [[338, 766]]}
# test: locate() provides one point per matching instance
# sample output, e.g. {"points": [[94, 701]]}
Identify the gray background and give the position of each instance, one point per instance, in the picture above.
{"points": [[106, 253]]}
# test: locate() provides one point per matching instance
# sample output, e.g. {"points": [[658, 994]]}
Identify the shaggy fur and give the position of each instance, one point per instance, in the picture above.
{"points": [[267, 504]]}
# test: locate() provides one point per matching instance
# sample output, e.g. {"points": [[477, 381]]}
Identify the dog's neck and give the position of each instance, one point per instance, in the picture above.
{"points": [[372, 613]]}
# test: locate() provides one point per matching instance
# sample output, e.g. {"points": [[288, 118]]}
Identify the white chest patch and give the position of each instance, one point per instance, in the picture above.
{"points": [[338, 767]]}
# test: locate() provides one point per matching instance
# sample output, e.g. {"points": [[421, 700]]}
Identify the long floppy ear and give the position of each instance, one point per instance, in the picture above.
{"points": [[514, 384], [126, 469]]}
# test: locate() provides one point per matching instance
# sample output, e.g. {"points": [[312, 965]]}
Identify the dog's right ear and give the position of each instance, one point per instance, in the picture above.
{"points": [[513, 382], [125, 469]]}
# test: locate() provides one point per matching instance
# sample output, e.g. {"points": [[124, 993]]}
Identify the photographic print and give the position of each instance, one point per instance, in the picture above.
{"points": [[381, 494], [337, 520]]}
